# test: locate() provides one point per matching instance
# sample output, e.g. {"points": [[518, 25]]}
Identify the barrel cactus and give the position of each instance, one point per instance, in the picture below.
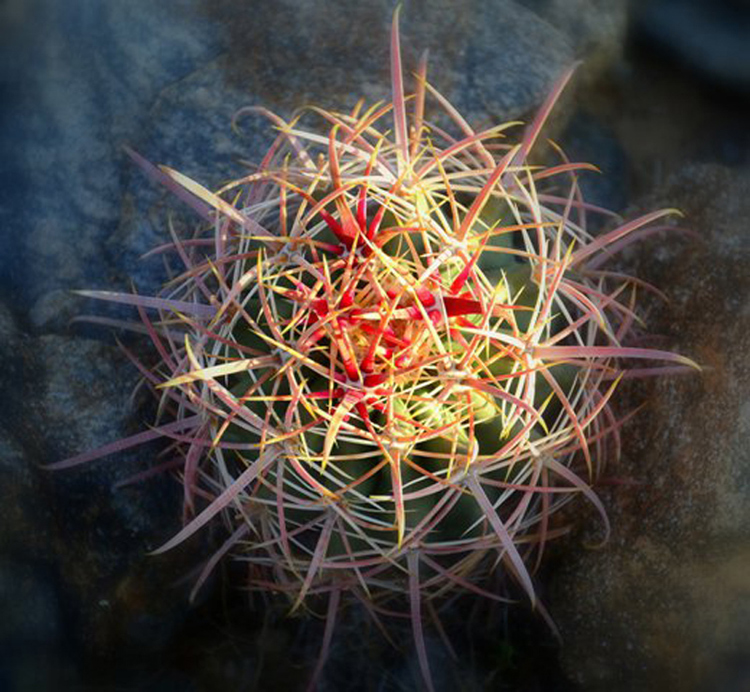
{"points": [[390, 358]]}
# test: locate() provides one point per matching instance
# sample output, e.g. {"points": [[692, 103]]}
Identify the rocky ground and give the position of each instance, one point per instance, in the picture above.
{"points": [[661, 103]]}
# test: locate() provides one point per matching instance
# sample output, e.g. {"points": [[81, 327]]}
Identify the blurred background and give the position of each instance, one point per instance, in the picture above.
{"points": [[661, 103]]}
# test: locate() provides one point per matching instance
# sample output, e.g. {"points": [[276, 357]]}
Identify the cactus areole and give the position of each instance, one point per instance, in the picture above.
{"points": [[389, 358]]}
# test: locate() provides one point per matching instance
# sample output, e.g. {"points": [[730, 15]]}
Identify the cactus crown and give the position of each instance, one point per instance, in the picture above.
{"points": [[390, 356]]}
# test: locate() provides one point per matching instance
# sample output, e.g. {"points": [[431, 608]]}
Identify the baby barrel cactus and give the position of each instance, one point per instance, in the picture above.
{"points": [[389, 359]]}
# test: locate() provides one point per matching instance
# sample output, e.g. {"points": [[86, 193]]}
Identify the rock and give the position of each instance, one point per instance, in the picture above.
{"points": [[102, 533], [31, 632], [495, 60], [666, 604], [588, 138], [54, 311], [18, 527], [78, 80], [69, 541], [595, 28], [711, 37]]}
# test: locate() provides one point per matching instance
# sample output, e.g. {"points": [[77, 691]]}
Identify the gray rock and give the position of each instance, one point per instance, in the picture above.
{"points": [[79, 78], [589, 139], [73, 547], [18, 524], [496, 58], [595, 28], [666, 605], [53, 311], [711, 37], [38, 620]]}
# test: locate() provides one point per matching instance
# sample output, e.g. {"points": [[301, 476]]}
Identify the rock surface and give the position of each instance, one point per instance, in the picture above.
{"points": [[666, 605], [710, 36], [79, 78], [75, 576], [595, 29]]}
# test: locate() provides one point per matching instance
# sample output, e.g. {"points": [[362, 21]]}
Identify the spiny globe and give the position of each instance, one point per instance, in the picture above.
{"points": [[390, 356]]}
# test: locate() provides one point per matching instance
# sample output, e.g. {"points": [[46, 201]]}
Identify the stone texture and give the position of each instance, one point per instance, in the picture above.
{"points": [[595, 28], [711, 37], [75, 576], [591, 139], [31, 631], [78, 79], [495, 59], [666, 605]]}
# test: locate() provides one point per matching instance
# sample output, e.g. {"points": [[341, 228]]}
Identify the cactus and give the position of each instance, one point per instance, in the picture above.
{"points": [[390, 358]]}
